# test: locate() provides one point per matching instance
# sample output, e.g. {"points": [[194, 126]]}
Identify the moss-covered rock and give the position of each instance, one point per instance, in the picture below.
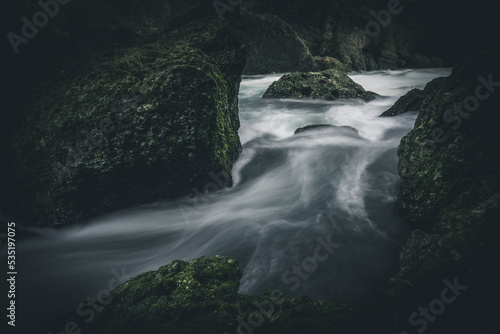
{"points": [[450, 156], [450, 191], [130, 125], [327, 85], [200, 296]]}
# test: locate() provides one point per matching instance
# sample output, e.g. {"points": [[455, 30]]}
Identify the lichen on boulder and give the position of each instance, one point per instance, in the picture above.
{"points": [[326, 85]]}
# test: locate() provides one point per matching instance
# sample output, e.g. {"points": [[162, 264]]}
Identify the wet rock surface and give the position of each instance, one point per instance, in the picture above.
{"points": [[327, 85], [411, 101]]}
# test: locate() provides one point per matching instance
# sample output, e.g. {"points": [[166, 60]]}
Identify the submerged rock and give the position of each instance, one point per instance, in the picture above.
{"points": [[200, 296], [326, 85], [130, 125], [320, 127]]}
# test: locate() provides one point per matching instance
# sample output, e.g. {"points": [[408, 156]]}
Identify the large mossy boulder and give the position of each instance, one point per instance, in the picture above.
{"points": [[450, 191], [146, 120], [201, 296], [273, 46], [326, 85], [450, 157]]}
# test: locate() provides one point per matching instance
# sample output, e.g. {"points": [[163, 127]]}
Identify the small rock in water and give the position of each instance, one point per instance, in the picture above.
{"points": [[315, 127], [328, 85]]}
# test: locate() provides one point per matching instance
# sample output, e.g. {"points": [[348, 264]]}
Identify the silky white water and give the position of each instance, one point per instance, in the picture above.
{"points": [[289, 190]]}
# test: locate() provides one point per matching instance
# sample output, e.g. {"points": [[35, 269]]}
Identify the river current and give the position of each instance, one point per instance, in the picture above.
{"points": [[312, 214]]}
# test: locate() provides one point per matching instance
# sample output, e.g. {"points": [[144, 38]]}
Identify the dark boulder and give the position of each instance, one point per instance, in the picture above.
{"points": [[450, 191], [327, 85], [129, 125], [201, 296], [411, 101], [452, 147], [416, 98]]}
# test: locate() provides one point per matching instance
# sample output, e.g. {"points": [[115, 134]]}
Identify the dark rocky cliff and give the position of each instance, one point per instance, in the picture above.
{"points": [[273, 46], [340, 30]]}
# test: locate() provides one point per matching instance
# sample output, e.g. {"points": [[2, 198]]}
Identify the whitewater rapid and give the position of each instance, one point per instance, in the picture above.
{"points": [[291, 194]]}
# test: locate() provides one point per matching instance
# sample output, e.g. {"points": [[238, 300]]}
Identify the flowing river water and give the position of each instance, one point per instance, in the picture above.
{"points": [[311, 214]]}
